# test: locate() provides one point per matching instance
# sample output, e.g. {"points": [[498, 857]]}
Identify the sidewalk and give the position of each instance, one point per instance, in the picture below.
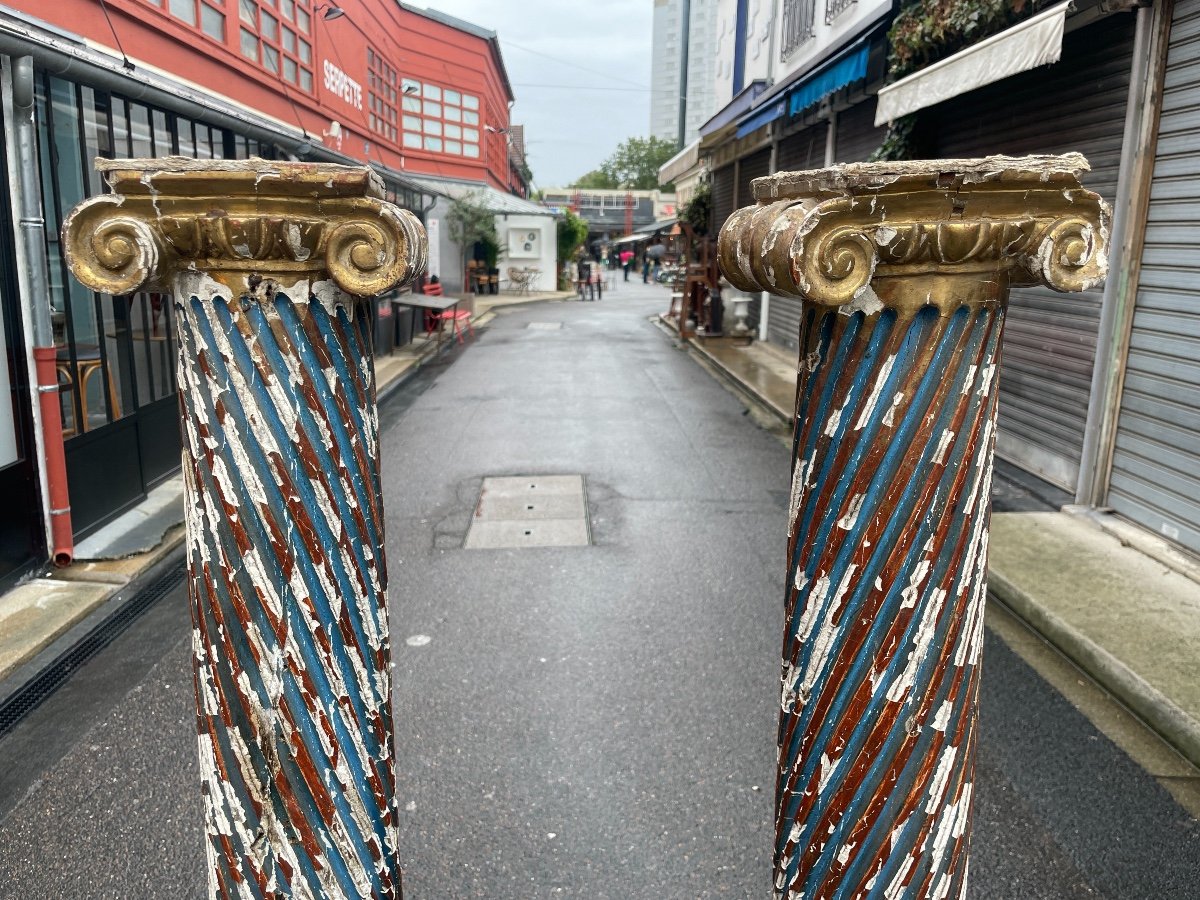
{"points": [[44, 617], [1116, 601]]}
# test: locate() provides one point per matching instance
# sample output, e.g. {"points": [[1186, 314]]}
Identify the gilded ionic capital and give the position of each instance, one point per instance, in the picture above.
{"points": [[254, 226], [907, 234]]}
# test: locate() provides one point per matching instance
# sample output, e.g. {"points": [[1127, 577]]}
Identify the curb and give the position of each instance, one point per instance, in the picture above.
{"points": [[1145, 701]]}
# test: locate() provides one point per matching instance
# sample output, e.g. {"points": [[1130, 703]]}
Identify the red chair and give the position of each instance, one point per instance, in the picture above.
{"points": [[437, 320]]}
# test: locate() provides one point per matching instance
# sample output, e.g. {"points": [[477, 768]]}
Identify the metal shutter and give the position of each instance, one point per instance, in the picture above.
{"points": [[722, 196], [802, 150], [753, 166], [1155, 476], [1076, 104], [857, 137]]}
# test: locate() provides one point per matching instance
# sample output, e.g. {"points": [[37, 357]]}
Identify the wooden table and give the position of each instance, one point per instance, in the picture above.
{"points": [[436, 304]]}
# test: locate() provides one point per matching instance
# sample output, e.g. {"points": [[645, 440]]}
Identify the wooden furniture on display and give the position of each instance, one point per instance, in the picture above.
{"points": [[79, 376]]}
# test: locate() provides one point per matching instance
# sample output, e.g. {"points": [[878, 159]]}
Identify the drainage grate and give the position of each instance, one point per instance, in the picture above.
{"points": [[30, 696], [530, 511]]}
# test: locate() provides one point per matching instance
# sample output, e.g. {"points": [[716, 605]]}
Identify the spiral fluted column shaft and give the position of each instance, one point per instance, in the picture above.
{"points": [[282, 493], [903, 271]]}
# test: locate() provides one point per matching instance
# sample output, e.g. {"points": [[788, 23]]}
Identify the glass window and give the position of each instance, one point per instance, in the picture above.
{"points": [[453, 147], [471, 118], [288, 38], [411, 123], [305, 51], [302, 20], [470, 134], [162, 135], [411, 104], [271, 58], [433, 143], [286, 7], [248, 10], [431, 92], [433, 126], [432, 109], [184, 9], [187, 142], [249, 44], [212, 22], [139, 132], [306, 80], [453, 97], [470, 102], [453, 131], [289, 69], [203, 142], [412, 140], [269, 28], [453, 114], [471, 150]]}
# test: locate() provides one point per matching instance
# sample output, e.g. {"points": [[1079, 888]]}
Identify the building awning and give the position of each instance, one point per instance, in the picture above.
{"points": [[848, 69], [487, 196], [735, 108], [645, 232], [1035, 42], [762, 117]]}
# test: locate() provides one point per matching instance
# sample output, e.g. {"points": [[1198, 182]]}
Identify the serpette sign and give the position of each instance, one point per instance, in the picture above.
{"points": [[339, 83]]}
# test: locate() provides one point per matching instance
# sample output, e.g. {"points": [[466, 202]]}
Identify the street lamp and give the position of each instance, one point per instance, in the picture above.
{"points": [[330, 11]]}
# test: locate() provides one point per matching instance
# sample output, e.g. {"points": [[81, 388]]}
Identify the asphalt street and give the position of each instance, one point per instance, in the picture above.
{"points": [[591, 722]]}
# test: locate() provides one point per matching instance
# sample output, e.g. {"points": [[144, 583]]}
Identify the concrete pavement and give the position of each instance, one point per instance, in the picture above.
{"points": [[592, 721], [1118, 602]]}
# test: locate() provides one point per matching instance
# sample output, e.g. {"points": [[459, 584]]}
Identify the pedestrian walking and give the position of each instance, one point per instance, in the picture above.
{"points": [[645, 269], [626, 261]]}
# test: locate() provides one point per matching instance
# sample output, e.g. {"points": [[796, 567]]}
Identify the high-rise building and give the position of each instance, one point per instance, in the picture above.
{"points": [[683, 68]]}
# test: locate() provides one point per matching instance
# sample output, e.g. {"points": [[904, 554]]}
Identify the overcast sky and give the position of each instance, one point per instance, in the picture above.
{"points": [[580, 72]]}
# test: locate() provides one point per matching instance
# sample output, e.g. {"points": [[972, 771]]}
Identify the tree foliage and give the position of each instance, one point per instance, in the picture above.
{"points": [[633, 165], [572, 232], [698, 211], [469, 222], [925, 31]]}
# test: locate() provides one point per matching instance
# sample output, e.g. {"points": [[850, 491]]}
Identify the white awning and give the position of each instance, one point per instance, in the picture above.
{"points": [[1035, 42]]}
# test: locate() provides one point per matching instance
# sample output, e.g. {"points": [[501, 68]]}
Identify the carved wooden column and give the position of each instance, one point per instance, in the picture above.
{"points": [[904, 271], [266, 261]]}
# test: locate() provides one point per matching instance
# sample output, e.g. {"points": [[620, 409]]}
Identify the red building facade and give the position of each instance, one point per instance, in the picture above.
{"points": [[380, 81]]}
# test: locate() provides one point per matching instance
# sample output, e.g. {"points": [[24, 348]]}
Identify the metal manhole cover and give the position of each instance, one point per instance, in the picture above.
{"points": [[529, 511]]}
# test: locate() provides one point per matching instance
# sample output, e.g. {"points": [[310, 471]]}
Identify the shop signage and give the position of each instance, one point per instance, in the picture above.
{"points": [[339, 83]]}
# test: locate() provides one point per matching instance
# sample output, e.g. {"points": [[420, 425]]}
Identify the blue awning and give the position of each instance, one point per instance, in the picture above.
{"points": [[736, 107], [761, 117], [850, 68]]}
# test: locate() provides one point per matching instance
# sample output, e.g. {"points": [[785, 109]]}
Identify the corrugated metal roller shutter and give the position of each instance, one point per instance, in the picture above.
{"points": [[1050, 339], [753, 166], [1156, 464], [802, 150], [722, 196], [857, 137]]}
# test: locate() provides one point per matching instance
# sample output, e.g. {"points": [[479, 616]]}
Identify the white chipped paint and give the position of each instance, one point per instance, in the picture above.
{"points": [[292, 237], [885, 235], [865, 300], [922, 641], [832, 423], [847, 521], [885, 371], [985, 385], [797, 496], [969, 381], [939, 454], [890, 416], [825, 771], [942, 718], [941, 777]]}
